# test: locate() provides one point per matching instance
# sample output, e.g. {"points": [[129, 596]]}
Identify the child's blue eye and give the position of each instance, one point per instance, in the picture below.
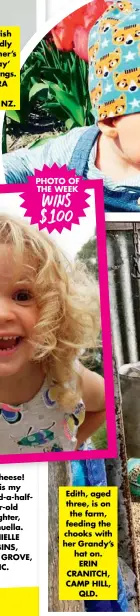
{"points": [[22, 296]]}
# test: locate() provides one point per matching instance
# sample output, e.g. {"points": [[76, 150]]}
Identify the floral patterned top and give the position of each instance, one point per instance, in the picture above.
{"points": [[39, 425]]}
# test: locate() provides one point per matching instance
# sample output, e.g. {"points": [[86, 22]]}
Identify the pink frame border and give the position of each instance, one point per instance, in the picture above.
{"points": [[111, 452]]}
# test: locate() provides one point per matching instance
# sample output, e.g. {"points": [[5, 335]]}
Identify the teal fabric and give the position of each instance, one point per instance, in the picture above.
{"points": [[114, 61]]}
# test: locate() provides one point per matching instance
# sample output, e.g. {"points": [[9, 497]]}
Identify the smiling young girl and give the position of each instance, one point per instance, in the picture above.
{"points": [[49, 312]]}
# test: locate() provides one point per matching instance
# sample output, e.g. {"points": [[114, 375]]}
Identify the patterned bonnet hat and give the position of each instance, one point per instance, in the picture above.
{"points": [[114, 61]]}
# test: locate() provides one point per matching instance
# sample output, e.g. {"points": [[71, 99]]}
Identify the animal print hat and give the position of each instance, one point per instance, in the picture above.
{"points": [[114, 61]]}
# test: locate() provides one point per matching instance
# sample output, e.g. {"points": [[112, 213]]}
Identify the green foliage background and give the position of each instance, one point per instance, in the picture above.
{"points": [[53, 84]]}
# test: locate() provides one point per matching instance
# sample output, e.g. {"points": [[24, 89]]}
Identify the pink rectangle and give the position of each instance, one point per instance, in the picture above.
{"points": [[111, 451]]}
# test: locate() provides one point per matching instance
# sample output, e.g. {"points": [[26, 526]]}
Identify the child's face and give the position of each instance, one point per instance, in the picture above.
{"points": [[128, 129], [18, 314], [126, 136]]}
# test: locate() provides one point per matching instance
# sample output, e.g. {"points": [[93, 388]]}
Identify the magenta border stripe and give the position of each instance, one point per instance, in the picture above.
{"points": [[19, 458], [105, 319], [111, 451]]}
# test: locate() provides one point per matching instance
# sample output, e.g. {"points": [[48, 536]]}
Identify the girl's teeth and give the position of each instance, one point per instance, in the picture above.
{"points": [[8, 342], [8, 337]]}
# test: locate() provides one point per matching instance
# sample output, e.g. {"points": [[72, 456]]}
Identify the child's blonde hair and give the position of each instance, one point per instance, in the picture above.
{"points": [[68, 301]]}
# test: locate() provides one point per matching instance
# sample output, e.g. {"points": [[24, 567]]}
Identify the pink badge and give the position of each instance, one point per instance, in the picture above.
{"points": [[55, 198]]}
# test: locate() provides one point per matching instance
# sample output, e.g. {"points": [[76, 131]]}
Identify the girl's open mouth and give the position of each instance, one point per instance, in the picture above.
{"points": [[9, 344]]}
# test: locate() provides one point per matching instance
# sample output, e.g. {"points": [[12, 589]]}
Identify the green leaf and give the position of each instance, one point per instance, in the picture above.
{"points": [[84, 66], [46, 50], [56, 110], [39, 56], [83, 83], [14, 115], [4, 140], [57, 75], [36, 88], [69, 123], [33, 81], [75, 81], [25, 73], [69, 103]]}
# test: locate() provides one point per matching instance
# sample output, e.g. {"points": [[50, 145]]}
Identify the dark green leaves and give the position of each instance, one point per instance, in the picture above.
{"points": [[55, 83]]}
